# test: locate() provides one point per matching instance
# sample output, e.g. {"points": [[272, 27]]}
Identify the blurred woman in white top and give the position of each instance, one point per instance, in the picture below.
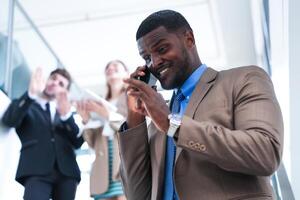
{"points": [[105, 182]]}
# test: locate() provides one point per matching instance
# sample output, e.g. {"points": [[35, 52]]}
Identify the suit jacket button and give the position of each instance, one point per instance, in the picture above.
{"points": [[191, 143], [52, 139], [68, 127], [197, 146], [202, 147]]}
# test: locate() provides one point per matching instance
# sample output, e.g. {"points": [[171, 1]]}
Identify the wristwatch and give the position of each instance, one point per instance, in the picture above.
{"points": [[175, 122]]}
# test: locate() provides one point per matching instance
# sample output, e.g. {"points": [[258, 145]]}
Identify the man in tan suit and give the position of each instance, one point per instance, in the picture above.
{"points": [[225, 127]]}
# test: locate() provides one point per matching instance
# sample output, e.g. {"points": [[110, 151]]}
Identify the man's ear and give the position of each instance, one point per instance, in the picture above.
{"points": [[189, 38]]}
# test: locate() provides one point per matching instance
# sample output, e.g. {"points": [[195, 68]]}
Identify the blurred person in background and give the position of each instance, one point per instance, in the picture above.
{"points": [[105, 182], [44, 122]]}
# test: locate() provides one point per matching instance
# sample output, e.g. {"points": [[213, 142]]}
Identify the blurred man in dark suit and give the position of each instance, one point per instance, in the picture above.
{"points": [[48, 133]]}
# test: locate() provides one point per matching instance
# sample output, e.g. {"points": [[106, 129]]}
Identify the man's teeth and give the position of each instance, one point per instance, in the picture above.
{"points": [[163, 71]]}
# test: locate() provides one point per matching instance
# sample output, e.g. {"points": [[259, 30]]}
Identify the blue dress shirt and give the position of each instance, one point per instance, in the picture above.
{"points": [[187, 89]]}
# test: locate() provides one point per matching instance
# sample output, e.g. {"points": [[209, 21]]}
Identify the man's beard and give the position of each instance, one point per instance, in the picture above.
{"points": [[48, 96], [183, 74]]}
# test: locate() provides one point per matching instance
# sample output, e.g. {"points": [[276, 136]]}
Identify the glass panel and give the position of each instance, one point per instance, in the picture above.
{"points": [[29, 52], [3, 39]]}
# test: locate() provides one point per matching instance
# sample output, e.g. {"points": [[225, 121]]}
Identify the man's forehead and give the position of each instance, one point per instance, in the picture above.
{"points": [[59, 76], [152, 38]]}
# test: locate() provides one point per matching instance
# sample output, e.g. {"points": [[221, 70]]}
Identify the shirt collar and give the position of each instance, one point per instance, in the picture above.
{"points": [[42, 102], [190, 84]]}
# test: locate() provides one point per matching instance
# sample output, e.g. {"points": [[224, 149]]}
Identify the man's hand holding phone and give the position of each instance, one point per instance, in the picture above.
{"points": [[148, 77], [144, 101]]}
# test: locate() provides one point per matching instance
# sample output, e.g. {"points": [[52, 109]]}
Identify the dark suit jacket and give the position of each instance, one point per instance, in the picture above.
{"points": [[43, 142], [229, 143]]}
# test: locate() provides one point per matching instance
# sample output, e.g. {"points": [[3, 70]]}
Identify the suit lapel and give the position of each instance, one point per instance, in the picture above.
{"points": [[159, 140], [56, 120], [203, 86]]}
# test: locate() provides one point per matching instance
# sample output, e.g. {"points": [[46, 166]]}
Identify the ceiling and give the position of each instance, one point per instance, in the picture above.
{"points": [[87, 34]]}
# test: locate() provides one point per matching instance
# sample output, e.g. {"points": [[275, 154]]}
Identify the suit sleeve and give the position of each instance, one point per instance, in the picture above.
{"points": [[71, 129], [89, 136], [116, 119], [16, 111], [254, 145], [135, 162]]}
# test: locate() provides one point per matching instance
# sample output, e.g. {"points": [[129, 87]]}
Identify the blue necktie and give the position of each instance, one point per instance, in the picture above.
{"points": [[178, 98], [169, 189]]}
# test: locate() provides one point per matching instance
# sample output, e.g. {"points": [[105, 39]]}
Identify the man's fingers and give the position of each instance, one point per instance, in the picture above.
{"points": [[38, 74], [93, 105], [62, 95], [81, 105], [138, 72], [38, 71], [137, 94], [136, 83], [99, 103]]}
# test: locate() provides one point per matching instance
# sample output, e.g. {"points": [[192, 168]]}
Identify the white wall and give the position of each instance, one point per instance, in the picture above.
{"points": [[223, 32], [85, 46], [285, 47], [9, 156], [280, 69], [237, 32], [294, 63]]}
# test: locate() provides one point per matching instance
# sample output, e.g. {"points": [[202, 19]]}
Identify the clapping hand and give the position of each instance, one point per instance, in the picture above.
{"points": [[84, 108], [82, 111], [63, 104], [37, 82], [97, 107]]}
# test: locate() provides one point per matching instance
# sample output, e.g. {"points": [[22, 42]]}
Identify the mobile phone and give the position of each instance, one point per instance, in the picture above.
{"points": [[148, 78]]}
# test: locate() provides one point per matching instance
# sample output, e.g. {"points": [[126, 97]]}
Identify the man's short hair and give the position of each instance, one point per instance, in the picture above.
{"points": [[64, 73], [169, 19]]}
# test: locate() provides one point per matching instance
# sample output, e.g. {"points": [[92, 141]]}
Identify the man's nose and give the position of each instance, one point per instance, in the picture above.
{"points": [[156, 61], [56, 82]]}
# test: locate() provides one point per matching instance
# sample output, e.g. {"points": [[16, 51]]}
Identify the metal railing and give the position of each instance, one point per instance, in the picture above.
{"points": [[13, 4]]}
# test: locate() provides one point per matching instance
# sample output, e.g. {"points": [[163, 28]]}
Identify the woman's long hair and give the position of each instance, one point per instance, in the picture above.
{"points": [[109, 93]]}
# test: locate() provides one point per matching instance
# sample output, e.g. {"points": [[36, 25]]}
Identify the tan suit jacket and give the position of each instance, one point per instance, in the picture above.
{"points": [[229, 143], [99, 180]]}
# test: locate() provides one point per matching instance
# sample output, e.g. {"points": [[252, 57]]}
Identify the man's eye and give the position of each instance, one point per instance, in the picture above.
{"points": [[161, 49]]}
